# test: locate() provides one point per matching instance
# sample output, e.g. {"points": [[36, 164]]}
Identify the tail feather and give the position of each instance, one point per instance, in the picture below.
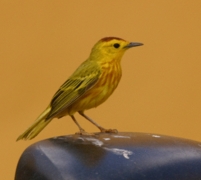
{"points": [[37, 126]]}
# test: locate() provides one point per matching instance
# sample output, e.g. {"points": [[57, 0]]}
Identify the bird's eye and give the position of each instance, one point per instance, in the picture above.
{"points": [[116, 45]]}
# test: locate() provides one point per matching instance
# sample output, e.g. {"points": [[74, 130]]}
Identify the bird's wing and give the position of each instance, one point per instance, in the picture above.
{"points": [[80, 82]]}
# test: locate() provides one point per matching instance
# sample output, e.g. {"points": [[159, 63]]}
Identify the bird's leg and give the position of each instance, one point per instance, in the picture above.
{"points": [[98, 126], [75, 121], [82, 131]]}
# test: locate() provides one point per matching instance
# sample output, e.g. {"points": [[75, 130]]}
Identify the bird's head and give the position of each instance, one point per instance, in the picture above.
{"points": [[112, 48]]}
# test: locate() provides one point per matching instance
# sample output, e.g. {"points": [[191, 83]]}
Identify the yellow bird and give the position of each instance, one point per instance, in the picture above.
{"points": [[88, 87]]}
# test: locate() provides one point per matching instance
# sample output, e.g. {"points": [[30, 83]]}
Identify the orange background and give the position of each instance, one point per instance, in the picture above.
{"points": [[43, 42]]}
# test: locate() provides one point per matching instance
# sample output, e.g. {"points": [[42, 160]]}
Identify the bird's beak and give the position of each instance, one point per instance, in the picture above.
{"points": [[133, 44]]}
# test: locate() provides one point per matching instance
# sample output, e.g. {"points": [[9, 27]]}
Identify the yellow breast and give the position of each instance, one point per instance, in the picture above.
{"points": [[107, 83]]}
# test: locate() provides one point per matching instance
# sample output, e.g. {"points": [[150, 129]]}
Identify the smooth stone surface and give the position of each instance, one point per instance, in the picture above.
{"points": [[122, 156]]}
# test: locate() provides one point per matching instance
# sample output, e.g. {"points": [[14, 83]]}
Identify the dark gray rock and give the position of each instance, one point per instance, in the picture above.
{"points": [[122, 156]]}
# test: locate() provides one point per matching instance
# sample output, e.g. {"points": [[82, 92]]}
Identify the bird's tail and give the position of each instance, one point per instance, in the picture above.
{"points": [[37, 126]]}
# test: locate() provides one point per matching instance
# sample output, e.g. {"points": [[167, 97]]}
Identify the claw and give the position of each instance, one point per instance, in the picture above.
{"points": [[109, 130]]}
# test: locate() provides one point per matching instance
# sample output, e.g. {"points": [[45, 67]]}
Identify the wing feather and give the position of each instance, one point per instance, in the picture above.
{"points": [[80, 82]]}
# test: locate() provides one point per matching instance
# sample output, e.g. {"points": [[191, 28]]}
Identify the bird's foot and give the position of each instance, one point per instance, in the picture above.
{"points": [[83, 132], [109, 130]]}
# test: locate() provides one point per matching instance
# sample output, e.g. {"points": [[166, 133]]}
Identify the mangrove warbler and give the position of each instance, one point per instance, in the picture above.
{"points": [[89, 86]]}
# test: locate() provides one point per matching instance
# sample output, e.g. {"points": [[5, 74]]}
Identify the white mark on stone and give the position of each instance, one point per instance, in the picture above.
{"points": [[156, 136], [81, 138], [117, 136], [95, 141], [106, 139], [123, 152]]}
